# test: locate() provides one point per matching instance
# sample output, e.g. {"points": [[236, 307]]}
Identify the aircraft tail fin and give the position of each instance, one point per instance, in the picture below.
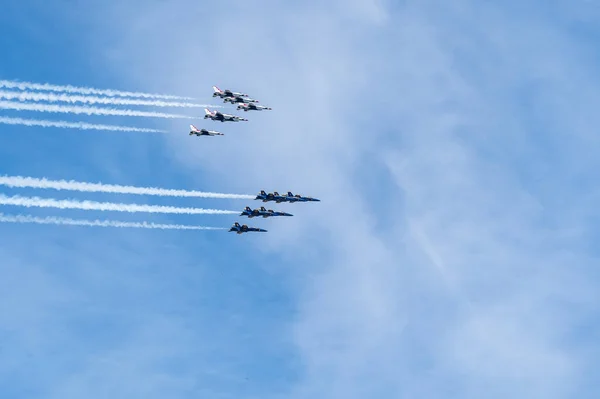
{"points": [[194, 128]]}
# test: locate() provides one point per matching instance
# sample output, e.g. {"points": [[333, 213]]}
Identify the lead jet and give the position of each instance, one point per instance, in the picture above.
{"points": [[298, 198], [262, 212], [252, 107], [244, 229], [204, 132], [239, 99], [226, 93], [219, 116]]}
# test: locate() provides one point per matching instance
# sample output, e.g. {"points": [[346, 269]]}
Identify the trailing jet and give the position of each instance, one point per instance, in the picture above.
{"points": [[262, 212], [244, 229], [239, 99], [298, 198], [218, 116], [204, 132], [226, 93], [252, 107], [270, 197], [264, 196]]}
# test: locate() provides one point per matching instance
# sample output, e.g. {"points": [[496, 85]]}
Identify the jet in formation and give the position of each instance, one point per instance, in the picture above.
{"points": [[203, 132], [226, 93], [219, 116], [265, 213], [278, 198], [252, 107], [244, 229], [239, 99]]}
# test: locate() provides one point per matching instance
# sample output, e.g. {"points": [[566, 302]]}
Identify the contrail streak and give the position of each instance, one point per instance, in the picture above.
{"points": [[73, 99], [99, 223], [71, 185], [73, 109], [75, 125], [83, 90], [104, 206]]}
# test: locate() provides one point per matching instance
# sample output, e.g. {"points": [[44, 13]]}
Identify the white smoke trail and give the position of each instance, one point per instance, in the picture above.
{"points": [[99, 223], [83, 90], [73, 99], [72, 109], [75, 125], [71, 185], [104, 206]]}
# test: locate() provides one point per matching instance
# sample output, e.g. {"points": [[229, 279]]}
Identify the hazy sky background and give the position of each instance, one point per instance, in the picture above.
{"points": [[455, 151]]}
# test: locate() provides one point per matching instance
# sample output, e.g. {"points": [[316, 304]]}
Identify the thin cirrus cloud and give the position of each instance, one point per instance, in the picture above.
{"points": [[464, 226], [469, 287]]}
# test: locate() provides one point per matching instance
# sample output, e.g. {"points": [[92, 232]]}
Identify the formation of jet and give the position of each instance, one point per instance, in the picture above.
{"points": [[278, 198], [252, 107], [265, 213], [246, 103], [244, 229], [203, 132], [219, 116]]}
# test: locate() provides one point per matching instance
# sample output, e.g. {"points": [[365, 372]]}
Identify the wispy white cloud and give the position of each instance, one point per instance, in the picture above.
{"points": [[473, 242], [446, 259]]}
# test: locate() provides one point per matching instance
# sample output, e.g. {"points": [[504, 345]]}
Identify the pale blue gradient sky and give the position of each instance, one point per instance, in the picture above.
{"points": [[455, 150]]}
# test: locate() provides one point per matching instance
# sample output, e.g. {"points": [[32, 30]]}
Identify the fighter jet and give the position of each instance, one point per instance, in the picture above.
{"points": [[262, 212], [252, 107], [218, 116], [239, 99], [270, 197], [264, 197], [298, 198], [226, 93], [203, 132], [244, 228]]}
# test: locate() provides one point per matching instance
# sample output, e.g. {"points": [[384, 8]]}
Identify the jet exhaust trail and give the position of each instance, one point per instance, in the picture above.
{"points": [[104, 206], [83, 90], [75, 125], [99, 223], [73, 99], [72, 109], [71, 185]]}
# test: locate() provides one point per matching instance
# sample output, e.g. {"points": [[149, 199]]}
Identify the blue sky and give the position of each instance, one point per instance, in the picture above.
{"points": [[453, 255]]}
